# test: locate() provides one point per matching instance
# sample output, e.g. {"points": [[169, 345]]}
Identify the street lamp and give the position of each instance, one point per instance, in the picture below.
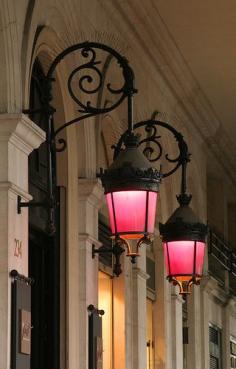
{"points": [[131, 188], [184, 242], [131, 183]]}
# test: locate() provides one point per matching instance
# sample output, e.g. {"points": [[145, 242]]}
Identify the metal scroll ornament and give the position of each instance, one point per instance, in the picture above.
{"points": [[90, 78], [153, 149]]}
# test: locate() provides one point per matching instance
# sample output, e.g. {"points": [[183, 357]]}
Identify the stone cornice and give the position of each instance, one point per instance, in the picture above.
{"points": [[212, 287], [85, 237], [177, 297], [21, 131], [91, 190], [16, 190], [138, 272]]}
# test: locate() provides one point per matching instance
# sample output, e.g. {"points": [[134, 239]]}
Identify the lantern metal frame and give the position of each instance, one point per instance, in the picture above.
{"points": [[91, 75]]}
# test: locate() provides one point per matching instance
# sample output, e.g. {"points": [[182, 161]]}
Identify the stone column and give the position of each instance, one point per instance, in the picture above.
{"points": [[162, 313], [18, 137], [194, 348], [226, 334], [177, 329], [90, 198], [205, 326], [135, 312]]}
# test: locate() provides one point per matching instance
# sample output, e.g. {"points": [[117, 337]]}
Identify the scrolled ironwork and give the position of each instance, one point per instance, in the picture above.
{"points": [[152, 137], [63, 145], [89, 78], [151, 127]]}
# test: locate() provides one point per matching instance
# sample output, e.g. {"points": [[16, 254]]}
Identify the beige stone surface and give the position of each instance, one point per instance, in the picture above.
{"points": [[166, 83]]}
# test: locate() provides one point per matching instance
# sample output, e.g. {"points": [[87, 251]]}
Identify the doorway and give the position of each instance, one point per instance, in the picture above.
{"points": [[44, 250]]}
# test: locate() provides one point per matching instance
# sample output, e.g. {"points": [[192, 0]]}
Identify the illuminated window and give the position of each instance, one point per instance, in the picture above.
{"points": [[150, 335], [111, 300], [105, 303]]}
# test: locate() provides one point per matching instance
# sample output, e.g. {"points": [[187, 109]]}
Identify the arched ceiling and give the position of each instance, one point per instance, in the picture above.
{"points": [[205, 34]]}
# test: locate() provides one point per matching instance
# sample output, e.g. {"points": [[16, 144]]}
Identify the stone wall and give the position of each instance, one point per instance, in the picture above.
{"points": [[30, 29]]}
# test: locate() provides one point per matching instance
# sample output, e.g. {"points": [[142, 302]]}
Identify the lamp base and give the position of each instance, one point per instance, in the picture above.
{"points": [[184, 285]]}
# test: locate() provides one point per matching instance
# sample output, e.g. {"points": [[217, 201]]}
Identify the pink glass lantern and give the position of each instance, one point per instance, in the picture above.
{"points": [[131, 188], [184, 259], [184, 246]]}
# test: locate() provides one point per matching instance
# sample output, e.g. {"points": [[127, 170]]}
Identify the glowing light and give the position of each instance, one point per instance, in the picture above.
{"points": [[132, 213], [184, 259]]}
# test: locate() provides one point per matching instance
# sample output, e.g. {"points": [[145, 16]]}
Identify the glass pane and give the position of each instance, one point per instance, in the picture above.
{"points": [[179, 257], [130, 211], [152, 211]]}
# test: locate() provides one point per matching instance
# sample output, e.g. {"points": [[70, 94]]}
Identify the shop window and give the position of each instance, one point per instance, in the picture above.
{"points": [[105, 303], [233, 353], [111, 300], [215, 347], [150, 268], [150, 335], [104, 234]]}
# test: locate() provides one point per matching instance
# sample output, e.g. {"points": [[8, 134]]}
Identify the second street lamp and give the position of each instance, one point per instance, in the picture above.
{"points": [[184, 242]]}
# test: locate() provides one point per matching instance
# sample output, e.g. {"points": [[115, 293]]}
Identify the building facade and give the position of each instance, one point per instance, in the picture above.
{"points": [[145, 317]]}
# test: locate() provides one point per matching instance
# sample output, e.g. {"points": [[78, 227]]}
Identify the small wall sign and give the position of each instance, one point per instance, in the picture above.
{"points": [[25, 332]]}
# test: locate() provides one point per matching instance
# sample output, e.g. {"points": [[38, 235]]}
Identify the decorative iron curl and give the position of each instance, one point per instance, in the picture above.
{"points": [[63, 143], [89, 74], [152, 137], [95, 78], [151, 127]]}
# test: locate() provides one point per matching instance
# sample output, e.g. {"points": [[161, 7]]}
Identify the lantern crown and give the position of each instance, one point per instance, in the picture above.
{"points": [[183, 224], [131, 170]]}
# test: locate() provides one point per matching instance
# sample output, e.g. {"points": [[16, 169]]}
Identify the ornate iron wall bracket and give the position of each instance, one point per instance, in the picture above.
{"points": [[86, 80], [117, 250], [153, 138]]}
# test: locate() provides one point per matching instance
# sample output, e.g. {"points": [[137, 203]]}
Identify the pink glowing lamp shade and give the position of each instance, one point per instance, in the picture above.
{"points": [[132, 213], [184, 259]]}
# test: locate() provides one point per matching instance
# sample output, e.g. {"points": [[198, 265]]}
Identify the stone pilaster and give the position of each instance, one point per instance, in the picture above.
{"points": [[90, 198], [226, 336], [162, 313], [194, 348], [135, 312], [18, 137], [177, 330]]}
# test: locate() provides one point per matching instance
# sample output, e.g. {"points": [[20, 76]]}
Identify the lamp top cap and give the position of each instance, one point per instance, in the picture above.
{"points": [[131, 170], [131, 155], [182, 225]]}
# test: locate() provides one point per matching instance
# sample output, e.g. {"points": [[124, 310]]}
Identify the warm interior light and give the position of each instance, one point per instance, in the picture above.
{"points": [[132, 213], [184, 259]]}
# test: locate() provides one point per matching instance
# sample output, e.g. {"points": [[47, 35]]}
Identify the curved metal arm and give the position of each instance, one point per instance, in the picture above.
{"points": [[151, 128], [89, 78]]}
